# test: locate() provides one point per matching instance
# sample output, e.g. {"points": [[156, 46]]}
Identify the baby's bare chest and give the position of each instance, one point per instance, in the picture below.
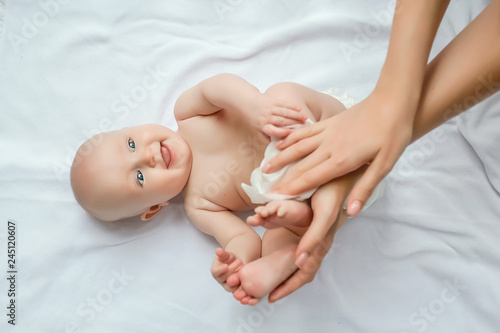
{"points": [[225, 152]]}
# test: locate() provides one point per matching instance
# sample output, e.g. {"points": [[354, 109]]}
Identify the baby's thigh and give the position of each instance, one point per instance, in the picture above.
{"points": [[293, 93]]}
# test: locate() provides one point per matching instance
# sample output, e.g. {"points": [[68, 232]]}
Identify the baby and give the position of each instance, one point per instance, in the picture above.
{"points": [[224, 126]]}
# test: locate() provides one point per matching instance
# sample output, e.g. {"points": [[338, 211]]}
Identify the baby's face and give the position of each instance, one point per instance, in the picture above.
{"points": [[133, 169]]}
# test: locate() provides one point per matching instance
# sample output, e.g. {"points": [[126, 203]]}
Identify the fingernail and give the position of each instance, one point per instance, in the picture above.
{"points": [[278, 143], [354, 208], [266, 168], [301, 260]]}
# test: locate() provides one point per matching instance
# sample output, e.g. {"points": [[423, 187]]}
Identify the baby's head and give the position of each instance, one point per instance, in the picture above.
{"points": [[130, 172]]}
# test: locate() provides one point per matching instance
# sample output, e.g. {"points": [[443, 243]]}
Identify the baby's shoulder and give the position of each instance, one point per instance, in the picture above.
{"points": [[196, 201], [198, 208]]}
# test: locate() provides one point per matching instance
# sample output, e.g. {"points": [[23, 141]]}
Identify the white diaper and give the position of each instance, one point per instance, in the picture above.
{"points": [[261, 182]]}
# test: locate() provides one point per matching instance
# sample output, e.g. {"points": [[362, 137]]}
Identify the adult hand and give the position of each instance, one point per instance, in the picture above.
{"points": [[328, 217], [378, 129], [375, 131]]}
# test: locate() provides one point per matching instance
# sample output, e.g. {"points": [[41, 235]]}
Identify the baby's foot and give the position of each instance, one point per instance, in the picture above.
{"points": [[258, 278], [281, 213]]}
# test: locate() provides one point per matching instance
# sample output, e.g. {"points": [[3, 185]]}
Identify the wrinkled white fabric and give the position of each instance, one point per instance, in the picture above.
{"points": [[417, 260]]}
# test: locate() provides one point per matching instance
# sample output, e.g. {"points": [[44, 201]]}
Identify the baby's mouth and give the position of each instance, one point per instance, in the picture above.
{"points": [[166, 155]]}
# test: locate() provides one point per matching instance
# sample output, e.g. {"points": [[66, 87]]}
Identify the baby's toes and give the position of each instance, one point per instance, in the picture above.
{"points": [[253, 301], [233, 280], [273, 207], [249, 300], [263, 212], [239, 294], [254, 220], [281, 212]]}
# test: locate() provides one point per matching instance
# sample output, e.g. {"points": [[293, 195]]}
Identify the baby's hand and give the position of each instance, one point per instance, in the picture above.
{"points": [[272, 115], [224, 265]]}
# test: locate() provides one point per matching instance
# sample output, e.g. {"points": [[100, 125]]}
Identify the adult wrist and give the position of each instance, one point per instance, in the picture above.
{"points": [[393, 98]]}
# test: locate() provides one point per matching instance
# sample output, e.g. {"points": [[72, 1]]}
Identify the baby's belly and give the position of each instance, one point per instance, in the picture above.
{"points": [[222, 183], [224, 156]]}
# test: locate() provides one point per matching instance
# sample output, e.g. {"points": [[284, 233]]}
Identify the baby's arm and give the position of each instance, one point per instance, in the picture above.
{"points": [[240, 242], [321, 106], [230, 93]]}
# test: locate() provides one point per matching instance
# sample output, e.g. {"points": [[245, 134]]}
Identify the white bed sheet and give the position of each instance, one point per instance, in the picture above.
{"points": [[424, 258]]}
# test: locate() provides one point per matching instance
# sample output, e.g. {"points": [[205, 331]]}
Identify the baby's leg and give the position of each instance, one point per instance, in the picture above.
{"points": [[282, 213], [258, 278]]}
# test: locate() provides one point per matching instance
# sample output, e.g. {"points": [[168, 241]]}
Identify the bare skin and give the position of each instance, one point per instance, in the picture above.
{"points": [[288, 220], [281, 213], [237, 121], [458, 73], [245, 265], [260, 277]]}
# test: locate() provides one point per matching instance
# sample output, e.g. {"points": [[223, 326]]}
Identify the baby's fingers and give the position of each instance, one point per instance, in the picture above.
{"points": [[285, 106], [276, 132], [282, 115], [292, 113], [219, 271], [234, 267], [224, 256]]}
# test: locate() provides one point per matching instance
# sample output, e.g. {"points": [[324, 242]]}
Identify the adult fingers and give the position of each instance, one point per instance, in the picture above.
{"points": [[291, 154], [318, 168], [296, 182], [297, 280], [301, 134], [299, 181], [364, 188], [315, 238], [301, 276]]}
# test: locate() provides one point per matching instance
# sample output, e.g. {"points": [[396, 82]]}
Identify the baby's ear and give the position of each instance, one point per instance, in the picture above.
{"points": [[152, 211]]}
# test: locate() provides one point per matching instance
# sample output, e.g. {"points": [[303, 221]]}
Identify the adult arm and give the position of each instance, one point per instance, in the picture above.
{"points": [[465, 72], [376, 130]]}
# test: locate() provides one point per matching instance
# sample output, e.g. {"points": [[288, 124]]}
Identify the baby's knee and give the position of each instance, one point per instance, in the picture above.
{"points": [[292, 93], [283, 90]]}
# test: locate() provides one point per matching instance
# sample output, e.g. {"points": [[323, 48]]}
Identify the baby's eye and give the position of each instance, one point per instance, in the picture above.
{"points": [[131, 144], [140, 178]]}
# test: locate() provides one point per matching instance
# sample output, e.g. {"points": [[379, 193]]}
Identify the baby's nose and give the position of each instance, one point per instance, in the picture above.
{"points": [[148, 157]]}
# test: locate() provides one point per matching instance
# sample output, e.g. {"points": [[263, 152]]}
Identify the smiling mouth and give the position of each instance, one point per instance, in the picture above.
{"points": [[166, 155]]}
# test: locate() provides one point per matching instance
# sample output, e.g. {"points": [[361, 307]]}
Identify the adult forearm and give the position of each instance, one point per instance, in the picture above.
{"points": [[466, 72], [413, 30]]}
